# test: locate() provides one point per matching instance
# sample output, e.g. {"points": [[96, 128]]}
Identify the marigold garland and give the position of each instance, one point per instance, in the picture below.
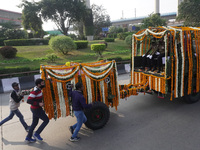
{"points": [[98, 72]]}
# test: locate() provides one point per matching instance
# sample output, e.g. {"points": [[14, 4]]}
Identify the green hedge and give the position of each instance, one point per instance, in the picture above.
{"points": [[14, 70], [122, 36], [81, 44], [112, 35], [109, 40], [2, 41], [26, 42], [98, 47]]}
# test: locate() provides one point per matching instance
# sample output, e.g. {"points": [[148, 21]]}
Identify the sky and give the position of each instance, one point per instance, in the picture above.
{"points": [[115, 8]]}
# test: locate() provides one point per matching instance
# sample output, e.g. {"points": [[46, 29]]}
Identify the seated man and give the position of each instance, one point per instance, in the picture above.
{"points": [[157, 59], [146, 58]]}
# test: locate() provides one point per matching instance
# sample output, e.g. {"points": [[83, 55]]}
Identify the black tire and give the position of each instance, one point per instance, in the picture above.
{"points": [[193, 98], [97, 116]]}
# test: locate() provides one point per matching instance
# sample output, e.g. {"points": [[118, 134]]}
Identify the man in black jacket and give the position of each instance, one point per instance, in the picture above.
{"points": [[15, 97]]}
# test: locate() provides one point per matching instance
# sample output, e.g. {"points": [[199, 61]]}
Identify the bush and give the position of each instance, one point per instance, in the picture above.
{"points": [[117, 59], [98, 48], [25, 42], [8, 52], [128, 41], [52, 57], [2, 41], [73, 36], [62, 44], [13, 70], [104, 43], [81, 44], [15, 34], [122, 36], [109, 40], [112, 35]]}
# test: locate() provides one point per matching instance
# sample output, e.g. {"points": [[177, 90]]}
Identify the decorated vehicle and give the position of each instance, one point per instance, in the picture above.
{"points": [[165, 60], [179, 72]]}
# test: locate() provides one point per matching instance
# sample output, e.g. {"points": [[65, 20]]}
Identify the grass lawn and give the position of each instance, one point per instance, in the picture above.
{"points": [[31, 57]]}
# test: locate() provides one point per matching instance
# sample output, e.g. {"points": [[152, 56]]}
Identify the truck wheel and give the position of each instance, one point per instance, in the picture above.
{"points": [[193, 98], [97, 116]]}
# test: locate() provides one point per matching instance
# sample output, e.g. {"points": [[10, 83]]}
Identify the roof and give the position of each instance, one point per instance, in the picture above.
{"points": [[139, 18], [54, 32], [10, 11]]}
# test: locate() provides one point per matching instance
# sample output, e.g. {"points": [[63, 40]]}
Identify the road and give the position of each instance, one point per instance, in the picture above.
{"points": [[141, 122]]}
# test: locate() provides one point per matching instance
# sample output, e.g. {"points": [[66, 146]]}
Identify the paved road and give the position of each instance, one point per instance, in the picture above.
{"points": [[141, 122]]}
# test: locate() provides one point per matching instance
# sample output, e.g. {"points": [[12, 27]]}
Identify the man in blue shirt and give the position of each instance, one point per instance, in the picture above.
{"points": [[78, 105]]}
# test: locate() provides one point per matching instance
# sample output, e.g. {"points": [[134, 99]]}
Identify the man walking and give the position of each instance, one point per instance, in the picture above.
{"points": [[15, 97], [35, 99], [78, 104]]}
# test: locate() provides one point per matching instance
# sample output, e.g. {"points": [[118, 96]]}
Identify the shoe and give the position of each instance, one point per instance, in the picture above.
{"points": [[71, 129], [30, 140], [37, 137], [74, 139], [27, 128]]}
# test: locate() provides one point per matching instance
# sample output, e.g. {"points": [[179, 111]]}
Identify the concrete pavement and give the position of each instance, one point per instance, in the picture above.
{"points": [[56, 135], [140, 123]]}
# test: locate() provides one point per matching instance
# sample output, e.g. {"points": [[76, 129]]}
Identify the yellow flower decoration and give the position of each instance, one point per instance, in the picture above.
{"points": [[67, 64]]}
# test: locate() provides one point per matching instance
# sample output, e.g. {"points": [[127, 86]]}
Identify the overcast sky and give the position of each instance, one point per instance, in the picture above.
{"points": [[114, 8]]}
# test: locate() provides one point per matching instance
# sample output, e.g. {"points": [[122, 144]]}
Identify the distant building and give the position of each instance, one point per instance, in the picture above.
{"points": [[15, 17]]}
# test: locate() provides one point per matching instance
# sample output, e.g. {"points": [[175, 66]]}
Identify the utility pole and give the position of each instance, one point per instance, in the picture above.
{"points": [[135, 12], [157, 6]]}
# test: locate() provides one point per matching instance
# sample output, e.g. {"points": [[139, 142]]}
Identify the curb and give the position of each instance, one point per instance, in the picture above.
{"points": [[27, 82]]}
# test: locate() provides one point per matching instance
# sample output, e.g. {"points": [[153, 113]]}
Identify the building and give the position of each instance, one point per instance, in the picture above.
{"points": [[15, 17], [131, 22]]}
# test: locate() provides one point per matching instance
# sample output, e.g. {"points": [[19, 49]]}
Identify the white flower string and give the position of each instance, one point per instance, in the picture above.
{"points": [[89, 89], [62, 72], [63, 77], [98, 69], [116, 74], [61, 99], [99, 76], [102, 90]]}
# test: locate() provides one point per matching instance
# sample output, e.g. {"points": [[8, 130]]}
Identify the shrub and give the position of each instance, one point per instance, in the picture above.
{"points": [[104, 43], [62, 44], [117, 59], [15, 34], [112, 35], [81, 44], [73, 36], [8, 52], [2, 41], [128, 41], [98, 48], [52, 57], [109, 40], [122, 36], [25, 42]]}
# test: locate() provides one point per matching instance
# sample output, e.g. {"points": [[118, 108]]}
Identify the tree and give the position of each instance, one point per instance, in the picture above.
{"points": [[15, 34], [153, 20], [5, 26], [188, 11], [62, 12], [100, 18], [31, 19]]}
